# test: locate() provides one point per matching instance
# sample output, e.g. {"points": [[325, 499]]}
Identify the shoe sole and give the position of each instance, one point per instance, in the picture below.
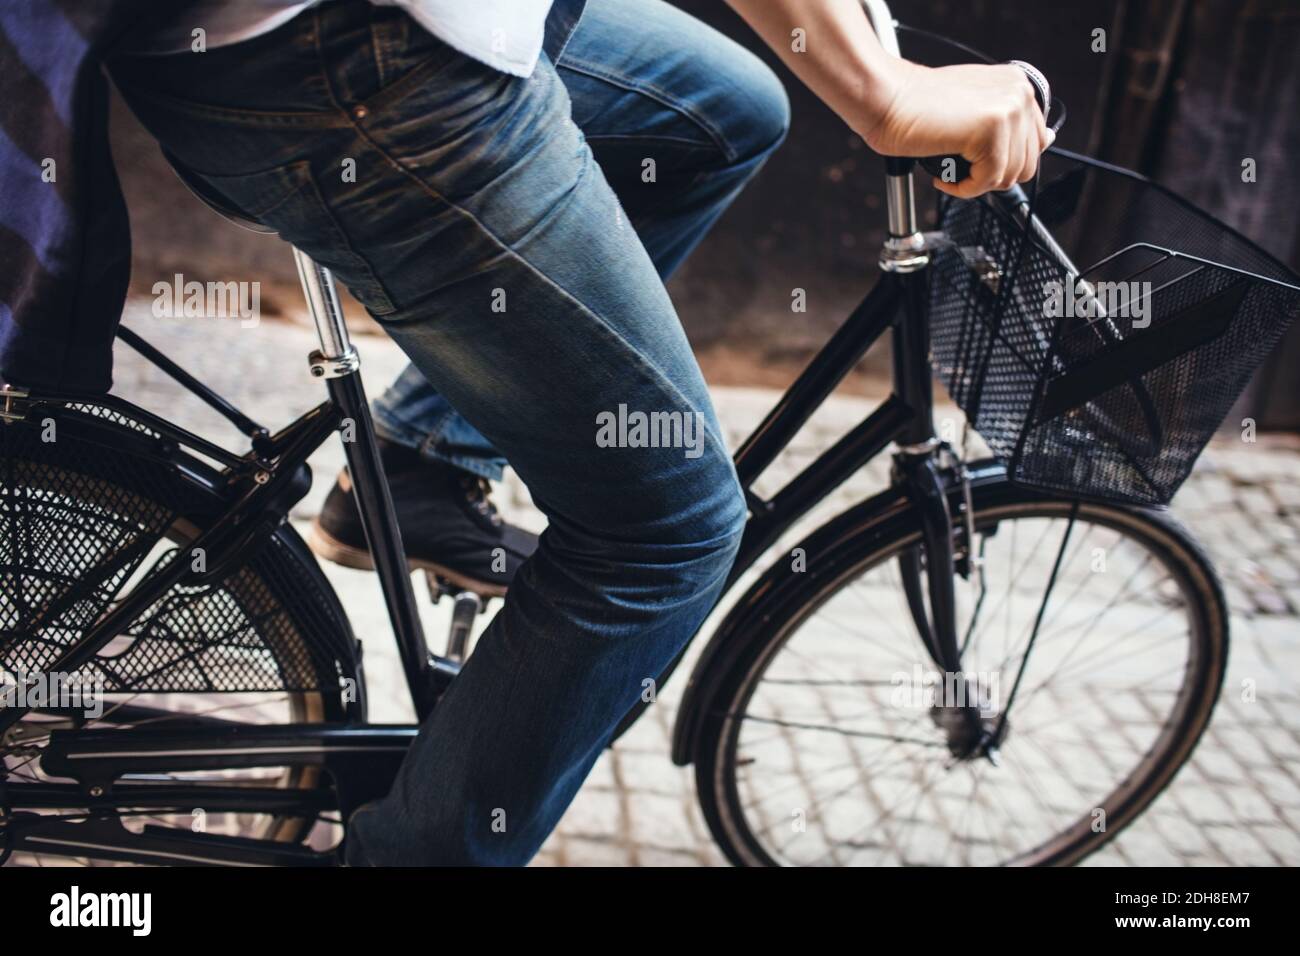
{"points": [[326, 546]]}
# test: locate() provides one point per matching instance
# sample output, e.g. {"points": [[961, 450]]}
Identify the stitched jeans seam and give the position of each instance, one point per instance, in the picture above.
{"points": [[658, 94]]}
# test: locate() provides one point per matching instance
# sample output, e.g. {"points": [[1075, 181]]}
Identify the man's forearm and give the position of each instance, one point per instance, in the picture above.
{"points": [[840, 59], [987, 114]]}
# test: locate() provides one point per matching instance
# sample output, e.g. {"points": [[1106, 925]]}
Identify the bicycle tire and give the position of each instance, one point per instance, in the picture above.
{"points": [[715, 751], [281, 629]]}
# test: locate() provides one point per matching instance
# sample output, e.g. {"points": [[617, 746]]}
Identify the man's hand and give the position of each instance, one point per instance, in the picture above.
{"points": [[988, 114]]}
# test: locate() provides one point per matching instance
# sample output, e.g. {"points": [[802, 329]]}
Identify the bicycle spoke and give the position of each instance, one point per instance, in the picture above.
{"points": [[1075, 639]]}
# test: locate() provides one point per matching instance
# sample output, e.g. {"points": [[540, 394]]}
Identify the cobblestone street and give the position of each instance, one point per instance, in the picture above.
{"points": [[1237, 802]]}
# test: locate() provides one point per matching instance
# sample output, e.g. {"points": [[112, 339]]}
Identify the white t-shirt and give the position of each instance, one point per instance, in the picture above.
{"points": [[505, 34]]}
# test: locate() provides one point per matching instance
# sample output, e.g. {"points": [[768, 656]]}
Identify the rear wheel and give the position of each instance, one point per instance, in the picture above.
{"points": [[824, 744], [84, 520]]}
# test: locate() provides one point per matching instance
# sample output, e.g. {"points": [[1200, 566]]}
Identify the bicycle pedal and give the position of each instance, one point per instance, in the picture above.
{"points": [[440, 587]]}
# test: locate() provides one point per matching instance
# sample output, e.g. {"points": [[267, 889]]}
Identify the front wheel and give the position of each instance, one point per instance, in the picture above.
{"points": [[829, 741]]}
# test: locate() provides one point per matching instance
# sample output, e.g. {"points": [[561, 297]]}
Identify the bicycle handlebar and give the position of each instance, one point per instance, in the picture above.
{"points": [[883, 23]]}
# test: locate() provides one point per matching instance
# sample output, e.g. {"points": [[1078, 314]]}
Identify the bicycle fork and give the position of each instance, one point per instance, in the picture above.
{"points": [[905, 259], [930, 569]]}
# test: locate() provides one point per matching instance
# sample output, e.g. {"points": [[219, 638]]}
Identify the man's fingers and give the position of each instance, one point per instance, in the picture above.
{"points": [[1029, 164], [948, 188], [1014, 155], [987, 172], [968, 188], [1037, 146], [1015, 158]]}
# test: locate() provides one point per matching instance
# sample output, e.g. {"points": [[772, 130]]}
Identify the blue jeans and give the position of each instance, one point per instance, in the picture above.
{"points": [[679, 94], [509, 236]]}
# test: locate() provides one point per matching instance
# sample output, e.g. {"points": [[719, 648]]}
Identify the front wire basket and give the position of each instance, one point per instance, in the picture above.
{"points": [[1107, 381]]}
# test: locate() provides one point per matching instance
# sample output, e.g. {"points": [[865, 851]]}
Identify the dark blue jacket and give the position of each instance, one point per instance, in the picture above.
{"points": [[64, 242]]}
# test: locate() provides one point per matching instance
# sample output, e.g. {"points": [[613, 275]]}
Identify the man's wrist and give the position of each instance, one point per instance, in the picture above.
{"points": [[878, 89]]}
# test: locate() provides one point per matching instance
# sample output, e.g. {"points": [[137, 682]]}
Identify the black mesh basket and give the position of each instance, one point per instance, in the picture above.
{"points": [[1098, 354], [86, 516]]}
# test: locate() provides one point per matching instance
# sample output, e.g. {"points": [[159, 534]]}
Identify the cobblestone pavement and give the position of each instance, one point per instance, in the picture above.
{"points": [[1237, 802]]}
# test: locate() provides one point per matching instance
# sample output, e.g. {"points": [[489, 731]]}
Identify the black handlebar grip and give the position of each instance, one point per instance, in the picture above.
{"points": [[950, 169], [953, 169]]}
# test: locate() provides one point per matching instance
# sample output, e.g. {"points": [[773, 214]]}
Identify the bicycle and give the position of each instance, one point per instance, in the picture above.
{"points": [[159, 566]]}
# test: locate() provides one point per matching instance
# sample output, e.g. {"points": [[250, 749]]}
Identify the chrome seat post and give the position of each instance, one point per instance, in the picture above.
{"points": [[336, 357]]}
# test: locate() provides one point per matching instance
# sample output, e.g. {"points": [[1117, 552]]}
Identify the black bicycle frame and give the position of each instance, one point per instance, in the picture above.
{"points": [[270, 474], [897, 304], [361, 759], [904, 417], [267, 480]]}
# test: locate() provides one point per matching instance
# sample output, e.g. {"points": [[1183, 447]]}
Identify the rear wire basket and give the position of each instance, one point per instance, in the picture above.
{"points": [[1113, 392], [86, 516]]}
